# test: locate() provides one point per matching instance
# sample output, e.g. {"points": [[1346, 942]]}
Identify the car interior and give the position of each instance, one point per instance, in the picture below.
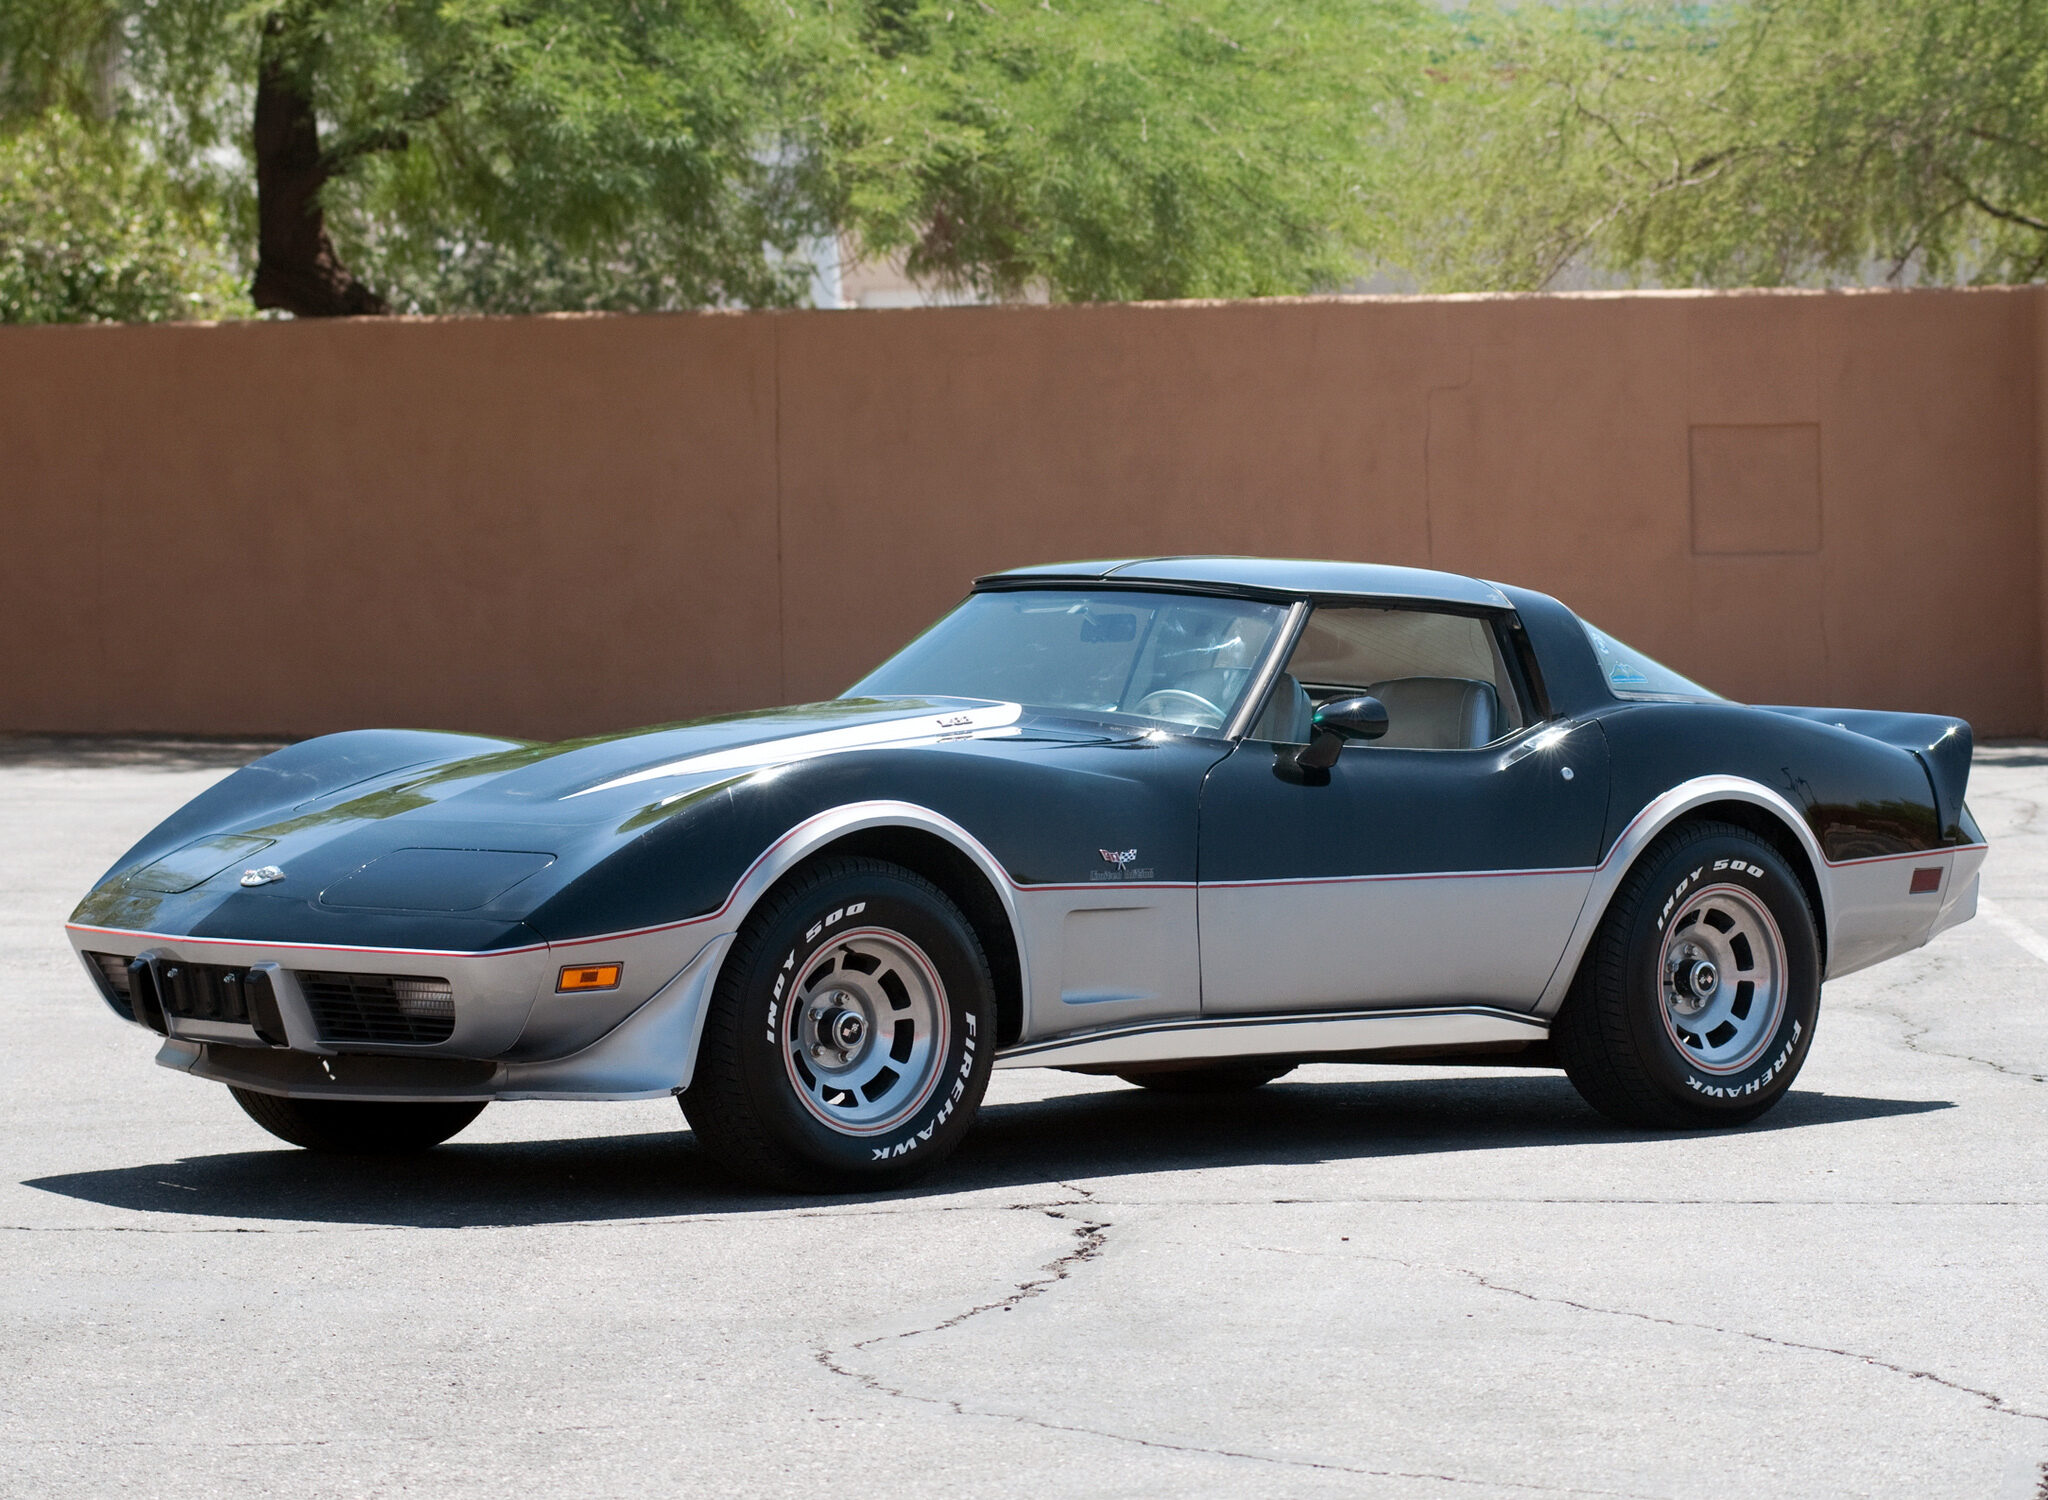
{"points": [[1440, 677]]}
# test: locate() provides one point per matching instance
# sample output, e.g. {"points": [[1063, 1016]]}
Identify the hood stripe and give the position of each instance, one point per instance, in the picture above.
{"points": [[926, 728]]}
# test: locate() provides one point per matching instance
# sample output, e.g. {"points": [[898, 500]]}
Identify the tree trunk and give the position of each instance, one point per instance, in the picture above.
{"points": [[296, 268]]}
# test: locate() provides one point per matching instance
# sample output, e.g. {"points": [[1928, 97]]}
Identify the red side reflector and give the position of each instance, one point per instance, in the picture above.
{"points": [[588, 977], [1925, 881]]}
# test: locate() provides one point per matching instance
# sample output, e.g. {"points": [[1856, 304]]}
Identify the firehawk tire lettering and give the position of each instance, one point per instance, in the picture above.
{"points": [[826, 1032], [960, 1081], [1716, 1091]]}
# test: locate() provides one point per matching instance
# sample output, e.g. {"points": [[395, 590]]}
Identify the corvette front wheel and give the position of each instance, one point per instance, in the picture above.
{"points": [[1695, 1003], [850, 1035]]}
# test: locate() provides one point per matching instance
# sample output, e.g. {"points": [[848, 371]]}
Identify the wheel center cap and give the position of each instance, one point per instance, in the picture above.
{"points": [[838, 1029], [845, 1029], [1693, 982]]}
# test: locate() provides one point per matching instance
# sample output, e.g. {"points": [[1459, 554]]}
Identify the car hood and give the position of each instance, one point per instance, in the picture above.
{"points": [[484, 831], [578, 783]]}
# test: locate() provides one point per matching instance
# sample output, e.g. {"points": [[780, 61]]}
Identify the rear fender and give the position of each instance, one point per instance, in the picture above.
{"points": [[1942, 746], [1644, 829]]}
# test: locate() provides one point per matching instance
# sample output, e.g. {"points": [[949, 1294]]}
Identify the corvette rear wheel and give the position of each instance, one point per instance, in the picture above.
{"points": [[1212, 1078], [356, 1126], [850, 1036], [1696, 1001]]}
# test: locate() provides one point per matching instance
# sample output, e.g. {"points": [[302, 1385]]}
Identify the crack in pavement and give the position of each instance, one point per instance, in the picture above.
{"points": [[1091, 1236], [1911, 1031], [1995, 1402], [1890, 1004]]}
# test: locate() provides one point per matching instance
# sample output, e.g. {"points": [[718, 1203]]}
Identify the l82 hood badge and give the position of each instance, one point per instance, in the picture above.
{"points": [[262, 875]]}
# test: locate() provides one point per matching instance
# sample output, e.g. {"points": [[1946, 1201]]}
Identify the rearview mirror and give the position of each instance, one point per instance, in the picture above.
{"points": [[1096, 628], [1341, 719]]}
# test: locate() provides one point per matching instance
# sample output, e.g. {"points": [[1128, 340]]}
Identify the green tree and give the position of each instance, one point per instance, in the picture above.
{"points": [[1146, 148], [1766, 142], [513, 155], [624, 150], [91, 229]]}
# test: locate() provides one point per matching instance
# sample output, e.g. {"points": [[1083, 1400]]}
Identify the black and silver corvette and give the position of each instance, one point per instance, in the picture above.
{"points": [[1190, 821]]}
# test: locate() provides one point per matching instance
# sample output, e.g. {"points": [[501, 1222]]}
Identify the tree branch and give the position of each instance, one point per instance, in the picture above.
{"points": [[353, 147], [2009, 215]]}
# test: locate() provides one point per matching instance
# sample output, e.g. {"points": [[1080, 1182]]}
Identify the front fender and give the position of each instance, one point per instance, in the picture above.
{"points": [[694, 949]]}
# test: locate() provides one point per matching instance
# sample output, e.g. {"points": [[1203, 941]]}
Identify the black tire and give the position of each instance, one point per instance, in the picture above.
{"points": [[1239, 1077], [356, 1126], [778, 1106], [1625, 1034]]}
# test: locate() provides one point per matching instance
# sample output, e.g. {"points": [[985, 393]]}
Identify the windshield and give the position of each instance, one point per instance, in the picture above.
{"points": [[1630, 674], [1181, 659]]}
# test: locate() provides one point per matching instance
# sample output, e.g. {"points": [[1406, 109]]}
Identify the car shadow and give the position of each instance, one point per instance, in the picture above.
{"points": [[1093, 1135]]}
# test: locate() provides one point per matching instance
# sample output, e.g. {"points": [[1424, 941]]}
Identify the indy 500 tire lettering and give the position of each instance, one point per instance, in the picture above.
{"points": [[848, 1041], [1695, 1003]]}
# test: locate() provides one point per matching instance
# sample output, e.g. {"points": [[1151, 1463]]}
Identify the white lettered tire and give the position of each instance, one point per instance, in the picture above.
{"points": [[850, 1035], [1696, 1001]]}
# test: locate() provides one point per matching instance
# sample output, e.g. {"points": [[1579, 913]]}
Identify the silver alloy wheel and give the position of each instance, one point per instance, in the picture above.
{"points": [[866, 1032], [1722, 975]]}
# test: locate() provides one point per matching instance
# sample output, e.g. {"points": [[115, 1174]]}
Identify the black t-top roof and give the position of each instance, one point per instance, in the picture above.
{"points": [[1264, 576]]}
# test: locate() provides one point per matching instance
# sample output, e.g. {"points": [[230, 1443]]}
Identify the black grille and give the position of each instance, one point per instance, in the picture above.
{"points": [[379, 1007], [203, 992], [111, 969]]}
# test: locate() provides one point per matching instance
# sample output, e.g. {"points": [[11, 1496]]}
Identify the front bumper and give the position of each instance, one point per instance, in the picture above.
{"points": [[509, 1036]]}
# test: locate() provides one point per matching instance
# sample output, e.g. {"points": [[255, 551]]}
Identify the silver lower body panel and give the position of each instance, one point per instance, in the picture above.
{"points": [[1394, 941], [648, 1055], [1215, 1037]]}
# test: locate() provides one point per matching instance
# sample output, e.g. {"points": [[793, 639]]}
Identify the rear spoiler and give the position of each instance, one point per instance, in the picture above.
{"points": [[1942, 746]]}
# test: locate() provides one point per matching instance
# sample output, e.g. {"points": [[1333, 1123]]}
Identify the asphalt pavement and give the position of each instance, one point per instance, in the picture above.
{"points": [[1358, 1281]]}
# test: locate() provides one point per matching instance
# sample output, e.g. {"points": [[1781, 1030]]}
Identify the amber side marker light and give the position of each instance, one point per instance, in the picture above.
{"points": [[588, 977]]}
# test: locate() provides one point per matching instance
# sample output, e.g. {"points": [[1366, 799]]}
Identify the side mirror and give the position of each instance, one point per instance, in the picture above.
{"points": [[1335, 722]]}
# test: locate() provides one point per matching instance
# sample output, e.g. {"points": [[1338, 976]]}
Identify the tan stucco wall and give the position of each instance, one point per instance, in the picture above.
{"points": [[548, 526]]}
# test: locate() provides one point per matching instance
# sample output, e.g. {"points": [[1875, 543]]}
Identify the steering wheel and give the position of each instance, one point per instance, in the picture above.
{"points": [[1160, 704]]}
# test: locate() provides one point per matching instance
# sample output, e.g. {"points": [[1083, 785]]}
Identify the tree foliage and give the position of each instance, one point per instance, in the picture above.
{"points": [[466, 154], [446, 155], [516, 154], [1770, 142], [1144, 148], [91, 229], [523, 155]]}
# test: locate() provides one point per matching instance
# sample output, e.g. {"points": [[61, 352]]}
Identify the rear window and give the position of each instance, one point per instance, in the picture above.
{"points": [[1630, 674]]}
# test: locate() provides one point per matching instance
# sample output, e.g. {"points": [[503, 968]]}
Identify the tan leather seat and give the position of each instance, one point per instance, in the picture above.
{"points": [[1438, 713]]}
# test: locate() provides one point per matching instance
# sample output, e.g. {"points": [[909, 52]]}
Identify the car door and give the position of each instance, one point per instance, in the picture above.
{"points": [[1444, 864]]}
